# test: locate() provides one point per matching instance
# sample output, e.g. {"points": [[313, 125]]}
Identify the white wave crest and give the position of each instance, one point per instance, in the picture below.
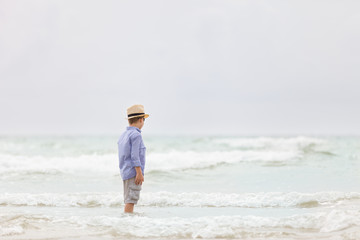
{"points": [[11, 230], [285, 143], [193, 199], [262, 150], [11, 164], [108, 164], [317, 225], [175, 160]]}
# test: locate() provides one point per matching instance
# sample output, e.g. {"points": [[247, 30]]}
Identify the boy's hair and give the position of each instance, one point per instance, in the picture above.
{"points": [[134, 120]]}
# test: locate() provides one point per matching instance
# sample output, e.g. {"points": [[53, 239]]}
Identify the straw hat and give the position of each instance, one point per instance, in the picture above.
{"points": [[136, 111]]}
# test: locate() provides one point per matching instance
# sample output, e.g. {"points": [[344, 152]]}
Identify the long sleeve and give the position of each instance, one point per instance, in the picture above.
{"points": [[135, 150]]}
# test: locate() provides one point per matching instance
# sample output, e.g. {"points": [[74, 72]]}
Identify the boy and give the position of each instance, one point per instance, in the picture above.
{"points": [[132, 156]]}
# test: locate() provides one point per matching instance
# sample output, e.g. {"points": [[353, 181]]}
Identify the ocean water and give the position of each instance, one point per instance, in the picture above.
{"points": [[299, 187]]}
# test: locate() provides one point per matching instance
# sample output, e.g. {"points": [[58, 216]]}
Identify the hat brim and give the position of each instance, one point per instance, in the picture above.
{"points": [[143, 115]]}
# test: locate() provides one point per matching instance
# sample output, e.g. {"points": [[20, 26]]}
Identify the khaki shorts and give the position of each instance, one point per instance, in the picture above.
{"points": [[131, 191]]}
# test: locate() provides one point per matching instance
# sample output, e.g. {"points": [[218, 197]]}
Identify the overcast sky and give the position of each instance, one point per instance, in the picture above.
{"points": [[244, 67]]}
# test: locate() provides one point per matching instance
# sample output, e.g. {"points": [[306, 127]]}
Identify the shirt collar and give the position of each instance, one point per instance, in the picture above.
{"points": [[133, 128]]}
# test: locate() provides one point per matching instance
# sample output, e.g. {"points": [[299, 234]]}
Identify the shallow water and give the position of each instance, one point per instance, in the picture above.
{"points": [[299, 187]]}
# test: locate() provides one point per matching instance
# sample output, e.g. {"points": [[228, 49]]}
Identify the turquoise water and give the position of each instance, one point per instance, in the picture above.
{"points": [[195, 187]]}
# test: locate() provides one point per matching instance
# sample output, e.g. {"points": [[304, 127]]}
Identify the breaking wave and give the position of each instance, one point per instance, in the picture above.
{"points": [[319, 224], [192, 199], [263, 150]]}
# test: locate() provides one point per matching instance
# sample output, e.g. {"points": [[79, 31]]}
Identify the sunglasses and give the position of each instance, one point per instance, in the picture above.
{"points": [[144, 119]]}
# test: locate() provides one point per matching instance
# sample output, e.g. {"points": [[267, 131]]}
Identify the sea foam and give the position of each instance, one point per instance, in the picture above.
{"points": [[316, 225], [267, 151], [191, 199]]}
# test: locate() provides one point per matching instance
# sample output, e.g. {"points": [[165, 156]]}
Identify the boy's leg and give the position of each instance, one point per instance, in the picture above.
{"points": [[131, 194], [129, 208]]}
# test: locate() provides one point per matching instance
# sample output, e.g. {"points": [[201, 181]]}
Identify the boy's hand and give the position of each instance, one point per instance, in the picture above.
{"points": [[139, 176], [139, 179]]}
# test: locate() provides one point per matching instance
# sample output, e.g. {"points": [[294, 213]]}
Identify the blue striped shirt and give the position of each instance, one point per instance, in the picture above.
{"points": [[131, 152]]}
